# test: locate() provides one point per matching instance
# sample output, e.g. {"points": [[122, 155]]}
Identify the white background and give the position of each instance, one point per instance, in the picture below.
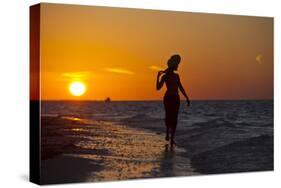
{"points": [[14, 91]]}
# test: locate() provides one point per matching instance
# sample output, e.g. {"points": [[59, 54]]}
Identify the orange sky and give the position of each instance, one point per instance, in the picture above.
{"points": [[116, 52]]}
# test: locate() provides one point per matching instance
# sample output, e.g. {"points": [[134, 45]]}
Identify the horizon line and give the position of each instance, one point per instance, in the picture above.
{"points": [[147, 100]]}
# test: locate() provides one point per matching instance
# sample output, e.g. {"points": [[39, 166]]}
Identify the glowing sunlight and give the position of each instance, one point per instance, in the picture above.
{"points": [[77, 88]]}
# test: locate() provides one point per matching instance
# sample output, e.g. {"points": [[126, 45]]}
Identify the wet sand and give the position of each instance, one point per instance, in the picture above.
{"points": [[78, 150], [222, 146], [214, 137]]}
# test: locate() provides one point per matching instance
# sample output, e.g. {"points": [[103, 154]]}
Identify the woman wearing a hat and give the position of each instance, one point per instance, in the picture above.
{"points": [[171, 98]]}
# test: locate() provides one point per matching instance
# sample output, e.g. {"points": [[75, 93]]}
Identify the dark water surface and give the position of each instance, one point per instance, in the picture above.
{"points": [[217, 136]]}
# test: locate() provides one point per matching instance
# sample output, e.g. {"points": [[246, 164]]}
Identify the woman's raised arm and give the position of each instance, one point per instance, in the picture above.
{"points": [[159, 84]]}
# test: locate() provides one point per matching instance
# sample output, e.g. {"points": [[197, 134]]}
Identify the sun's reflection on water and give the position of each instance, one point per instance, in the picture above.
{"points": [[124, 152]]}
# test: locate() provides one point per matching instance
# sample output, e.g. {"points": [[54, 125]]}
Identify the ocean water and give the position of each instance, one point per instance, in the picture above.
{"points": [[211, 136], [217, 122], [246, 114]]}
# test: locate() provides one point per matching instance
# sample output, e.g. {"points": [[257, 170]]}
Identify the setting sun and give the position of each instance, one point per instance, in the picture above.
{"points": [[77, 88]]}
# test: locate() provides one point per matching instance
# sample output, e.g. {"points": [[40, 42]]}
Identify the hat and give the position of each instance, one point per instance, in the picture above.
{"points": [[174, 60]]}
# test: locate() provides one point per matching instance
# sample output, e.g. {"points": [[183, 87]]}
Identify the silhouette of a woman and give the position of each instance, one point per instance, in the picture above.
{"points": [[171, 98]]}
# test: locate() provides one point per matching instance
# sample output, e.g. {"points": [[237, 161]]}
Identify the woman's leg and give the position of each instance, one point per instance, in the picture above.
{"points": [[167, 133], [174, 115], [173, 130], [167, 109]]}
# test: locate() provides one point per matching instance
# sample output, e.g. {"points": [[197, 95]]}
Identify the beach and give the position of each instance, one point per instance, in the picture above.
{"points": [[95, 141], [75, 150]]}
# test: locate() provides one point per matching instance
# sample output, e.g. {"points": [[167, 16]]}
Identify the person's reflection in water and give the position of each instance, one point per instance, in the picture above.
{"points": [[167, 167], [171, 98], [168, 152]]}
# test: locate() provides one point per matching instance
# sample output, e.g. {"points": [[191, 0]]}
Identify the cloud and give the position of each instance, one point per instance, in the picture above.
{"points": [[119, 71], [154, 67], [76, 75]]}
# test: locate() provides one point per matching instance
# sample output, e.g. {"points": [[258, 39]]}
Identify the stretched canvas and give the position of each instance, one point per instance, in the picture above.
{"points": [[120, 93]]}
